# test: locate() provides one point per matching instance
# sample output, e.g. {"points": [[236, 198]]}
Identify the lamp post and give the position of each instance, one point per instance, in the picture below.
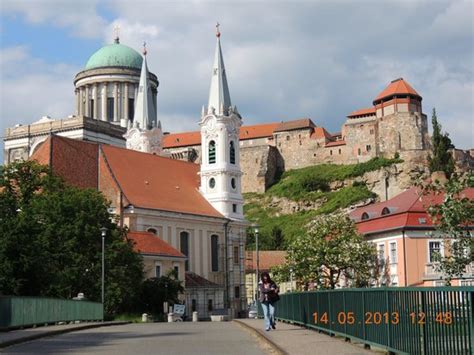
{"points": [[255, 228], [103, 232]]}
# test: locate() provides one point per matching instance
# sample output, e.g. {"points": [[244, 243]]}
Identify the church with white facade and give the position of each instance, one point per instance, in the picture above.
{"points": [[182, 216]]}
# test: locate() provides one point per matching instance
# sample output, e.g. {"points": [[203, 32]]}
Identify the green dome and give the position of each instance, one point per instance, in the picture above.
{"points": [[115, 55]]}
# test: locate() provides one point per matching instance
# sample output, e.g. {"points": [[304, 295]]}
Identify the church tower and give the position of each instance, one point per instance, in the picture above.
{"points": [[144, 135], [220, 164]]}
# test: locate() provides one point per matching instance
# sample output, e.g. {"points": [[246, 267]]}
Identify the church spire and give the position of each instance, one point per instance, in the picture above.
{"points": [[219, 97], [144, 116]]}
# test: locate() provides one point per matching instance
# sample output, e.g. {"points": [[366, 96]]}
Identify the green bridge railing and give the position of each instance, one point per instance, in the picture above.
{"points": [[27, 311], [407, 320]]}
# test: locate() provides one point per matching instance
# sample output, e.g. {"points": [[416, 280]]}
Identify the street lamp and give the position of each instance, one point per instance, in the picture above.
{"points": [[103, 232], [255, 229]]}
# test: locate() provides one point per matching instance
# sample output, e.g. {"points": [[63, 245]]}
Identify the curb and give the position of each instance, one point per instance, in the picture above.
{"points": [[26, 338], [260, 334]]}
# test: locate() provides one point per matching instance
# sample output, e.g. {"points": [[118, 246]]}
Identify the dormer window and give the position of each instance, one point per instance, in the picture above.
{"points": [[364, 216], [385, 211]]}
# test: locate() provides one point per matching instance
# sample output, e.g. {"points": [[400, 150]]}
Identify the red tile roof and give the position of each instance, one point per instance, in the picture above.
{"points": [[397, 87], [266, 259], [296, 124], [194, 280], [320, 133], [150, 244], [155, 182], [407, 209], [186, 139], [362, 112], [335, 144]]}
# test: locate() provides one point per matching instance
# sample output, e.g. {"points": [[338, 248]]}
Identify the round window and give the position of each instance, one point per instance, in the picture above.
{"points": [[232, 183], [212, 183]]}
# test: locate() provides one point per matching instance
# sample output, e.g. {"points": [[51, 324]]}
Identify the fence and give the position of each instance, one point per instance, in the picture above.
{"points": [[27, 311], [410, 320]]}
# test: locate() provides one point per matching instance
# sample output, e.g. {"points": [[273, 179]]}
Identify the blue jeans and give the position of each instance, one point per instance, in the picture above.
{"points": [[268, 314]]}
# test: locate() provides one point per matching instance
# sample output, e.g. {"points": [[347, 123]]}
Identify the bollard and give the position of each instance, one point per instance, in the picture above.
{"points": [[195, 316], [144, 317], [170, 317]]}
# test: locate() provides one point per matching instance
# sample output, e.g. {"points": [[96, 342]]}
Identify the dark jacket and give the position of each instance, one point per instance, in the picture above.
{"points": [[268, 294]]}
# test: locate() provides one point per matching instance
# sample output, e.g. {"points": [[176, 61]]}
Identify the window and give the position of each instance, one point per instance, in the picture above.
{"points": [[212, 183], [330, 152], [184, 247], [358, 151], [110, 108], [91, 108], [234, 208], [340, 152], [131, 109], [381, 252], [157, 270], [152, 230], [214, 253], [371, 131], [237, 292], [385, 211], [232, 183], [193, 305], [236, 255], [393, 252], [434, 249], [232, 152], [368, 148], [176, 269], [209, 305], [212, 152], [287, 138], [364, 216]]}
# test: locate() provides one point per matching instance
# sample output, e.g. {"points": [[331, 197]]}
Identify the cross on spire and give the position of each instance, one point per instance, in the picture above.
{"points": [[218, 33], [116, 32]]}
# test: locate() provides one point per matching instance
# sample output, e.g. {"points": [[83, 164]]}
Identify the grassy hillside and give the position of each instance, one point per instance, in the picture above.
{"points": [[307, 184]]}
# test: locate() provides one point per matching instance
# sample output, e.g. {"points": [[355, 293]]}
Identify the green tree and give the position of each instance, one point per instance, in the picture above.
{"points": [[331, 249], [451, 219], [157, 290], [441, 159], [50, 242]]}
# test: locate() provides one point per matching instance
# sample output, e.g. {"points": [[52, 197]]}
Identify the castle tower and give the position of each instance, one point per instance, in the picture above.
{"points": [[220, 125], [143, 135]]}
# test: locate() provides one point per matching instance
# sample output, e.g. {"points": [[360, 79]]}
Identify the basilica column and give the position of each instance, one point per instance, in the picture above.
{"points": [[94, 109], [116, 102], [87, 106], [104, 101], [81, 101]]}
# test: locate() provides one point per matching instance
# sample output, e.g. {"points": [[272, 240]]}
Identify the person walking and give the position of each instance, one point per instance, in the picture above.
{"points": [[268, 298]]}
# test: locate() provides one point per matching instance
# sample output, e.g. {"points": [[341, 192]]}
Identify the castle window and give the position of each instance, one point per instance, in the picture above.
{"points": [[184, 247], [232, 152], [371, 131], [233, 183], [330, 152], [368, 148], [110, 108], [339, 152], [214, 253], [212, 183], [358, 151], [212, 152], [287, 138], [364, 216]]}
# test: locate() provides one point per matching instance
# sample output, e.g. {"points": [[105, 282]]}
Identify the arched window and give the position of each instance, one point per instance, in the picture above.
{"points": [[184, 247], [364, 216], [232, 152], [212, 152], [385, 211], [152, 230], [214, 253]]}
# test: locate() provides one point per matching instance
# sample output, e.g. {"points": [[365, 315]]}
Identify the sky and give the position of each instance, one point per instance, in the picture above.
{"points": [[284, 60]]}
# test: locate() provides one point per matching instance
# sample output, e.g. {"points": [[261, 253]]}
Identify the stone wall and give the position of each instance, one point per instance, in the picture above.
{"points": [[259, 166]]}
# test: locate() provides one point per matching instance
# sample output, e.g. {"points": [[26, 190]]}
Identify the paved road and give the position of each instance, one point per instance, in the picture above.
{"points": [[151, 338]]}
